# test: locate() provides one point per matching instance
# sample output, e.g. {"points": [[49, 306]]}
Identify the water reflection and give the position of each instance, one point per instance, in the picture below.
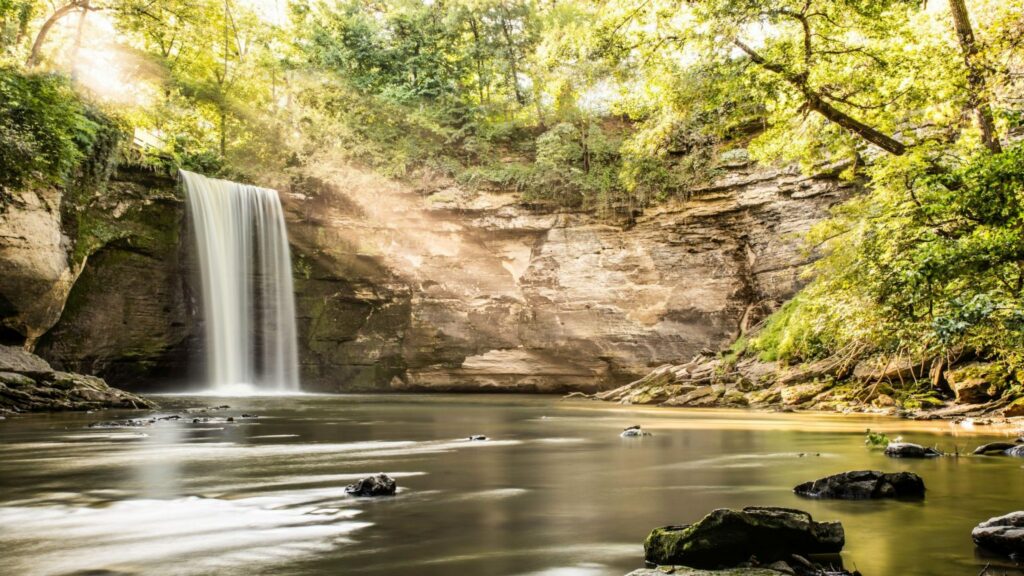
{"points": [[555, 491]]}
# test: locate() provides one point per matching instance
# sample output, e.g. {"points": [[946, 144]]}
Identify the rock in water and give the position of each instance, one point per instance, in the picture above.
{"points": [[864, 485], [634, 432], [379, 485], [29, 384], [908, 450], [1003, 534], [994, 447], [477, 438], [684, 571], [729, 537]]}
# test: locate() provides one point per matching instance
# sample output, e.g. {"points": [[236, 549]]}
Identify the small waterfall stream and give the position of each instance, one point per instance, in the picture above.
{"points": [[248, 299]]}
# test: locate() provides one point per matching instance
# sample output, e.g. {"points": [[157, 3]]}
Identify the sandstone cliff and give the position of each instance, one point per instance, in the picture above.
{"points": [[417, 289], [446, 289]]}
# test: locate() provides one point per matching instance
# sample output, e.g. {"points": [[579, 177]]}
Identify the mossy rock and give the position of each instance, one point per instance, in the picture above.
{"points": [[977, 382], [1016, 408], [726, 538]]}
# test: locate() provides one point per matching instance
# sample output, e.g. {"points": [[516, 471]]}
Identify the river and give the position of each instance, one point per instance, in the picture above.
{"points": [[554, 491]]}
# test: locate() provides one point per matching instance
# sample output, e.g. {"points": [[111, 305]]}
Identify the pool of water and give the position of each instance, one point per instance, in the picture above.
{"points": [[554, 491]]}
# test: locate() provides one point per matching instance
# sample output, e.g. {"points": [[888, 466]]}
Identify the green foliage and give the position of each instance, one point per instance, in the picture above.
{"points": [[875, 439], [932, 259], [46, 131]]}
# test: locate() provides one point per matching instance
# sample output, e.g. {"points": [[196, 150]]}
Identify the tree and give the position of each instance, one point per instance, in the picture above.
{"points": [[58, 14], [979, 100]]}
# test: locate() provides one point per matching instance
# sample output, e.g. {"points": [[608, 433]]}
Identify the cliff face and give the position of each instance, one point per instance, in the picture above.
{"points": [[398, 288], [98, 282], [450, 290]]}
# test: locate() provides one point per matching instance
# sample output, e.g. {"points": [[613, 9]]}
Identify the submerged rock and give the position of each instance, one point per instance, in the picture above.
{"points": [[864, 485], [908, 450], [730, 537], [780, 568], [1000, 447], [1003, 534], [1016, 451], [634, 432], [135, 423], [379, 485]]}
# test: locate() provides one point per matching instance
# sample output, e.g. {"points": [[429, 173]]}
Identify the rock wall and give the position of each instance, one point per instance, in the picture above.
{"points": [[444, 289], [97, 281], [400, 288]]}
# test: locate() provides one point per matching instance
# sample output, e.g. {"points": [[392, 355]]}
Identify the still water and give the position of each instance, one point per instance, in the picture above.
{"points": [[554, 492]]}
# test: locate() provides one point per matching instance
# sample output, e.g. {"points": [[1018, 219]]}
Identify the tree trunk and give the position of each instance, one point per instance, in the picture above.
{"points": [[513, 64], [975, 76], [78, 39], [37, 46], [818, 104]]}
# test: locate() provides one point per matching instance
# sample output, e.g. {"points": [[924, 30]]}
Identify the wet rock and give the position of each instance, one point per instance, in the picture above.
{"points": [[1016, 451], [477, 438], [776, 569], [1003, 534], [231, 418], [1000, 447], [137, 423], [28, 384], [578, 394], [634, 432], [730, 537], [864, 485], [379, 485], [909, 450]]}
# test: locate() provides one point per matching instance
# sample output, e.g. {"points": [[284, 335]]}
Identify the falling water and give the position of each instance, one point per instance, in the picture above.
{"points": [[248, 301]]}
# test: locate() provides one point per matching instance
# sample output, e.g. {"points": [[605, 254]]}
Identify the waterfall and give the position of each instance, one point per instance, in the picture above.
{"points": [[248, 300]]}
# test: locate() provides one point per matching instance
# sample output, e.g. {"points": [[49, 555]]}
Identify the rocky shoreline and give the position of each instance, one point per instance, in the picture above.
{"points": [[924, 389], [29, 384]]}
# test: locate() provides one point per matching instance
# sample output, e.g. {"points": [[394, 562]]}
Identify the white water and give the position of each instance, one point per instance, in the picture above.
{"points": [[248, 299]]}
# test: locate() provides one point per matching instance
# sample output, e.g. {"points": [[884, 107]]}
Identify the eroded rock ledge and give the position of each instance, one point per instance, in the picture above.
{"points": [[29, 384]]}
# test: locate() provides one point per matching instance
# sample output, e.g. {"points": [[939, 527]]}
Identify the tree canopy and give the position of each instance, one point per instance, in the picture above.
{"points": [[601, 105]]}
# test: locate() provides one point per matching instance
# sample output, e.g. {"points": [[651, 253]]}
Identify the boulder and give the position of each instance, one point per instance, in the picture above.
{"points": [[976, 382], [864, 485], [379, 485], [727, 538], [802, 393], [991, 447], [19, 360], [908, 450], [634, 432], [1003, 534], [1016, 451]]}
